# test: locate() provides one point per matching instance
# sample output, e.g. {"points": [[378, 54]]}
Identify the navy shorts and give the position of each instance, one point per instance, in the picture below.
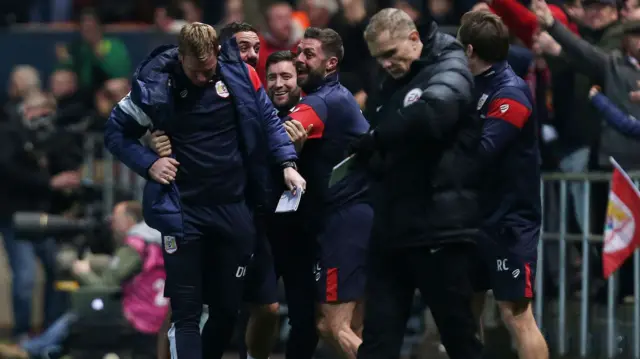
{"points": [[506, 264], [208, 264], [261, 285], [343, 242]]}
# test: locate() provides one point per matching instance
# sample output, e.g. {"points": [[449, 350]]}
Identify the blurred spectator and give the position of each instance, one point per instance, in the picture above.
{"points": [[72, 104], [28, 185], [357, 66], [136, 268], [105, 99], [282, 33], [171, 20], [615, 72], [233, 12], [51, 10], [94, 58], [23, 81]]}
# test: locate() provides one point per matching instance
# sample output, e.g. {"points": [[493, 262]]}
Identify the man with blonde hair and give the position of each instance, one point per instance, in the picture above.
{"points": [[226, 139]]}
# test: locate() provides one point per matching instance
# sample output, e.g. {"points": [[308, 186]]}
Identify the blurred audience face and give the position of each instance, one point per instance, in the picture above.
{"points": [[282, 85], [631, 44], [630, 11], [121, 221], [190, 10], [63, 83], [279, 21], [395, 54], [406, 7], [23, 81], [234, 10], [38, 106], [598, 16], [311, 63], [90, 29], [249, 45], [117, 89]]}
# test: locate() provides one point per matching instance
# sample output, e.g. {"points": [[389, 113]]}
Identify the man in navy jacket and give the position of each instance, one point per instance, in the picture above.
{"points": [[226, 135], [511, 204]]}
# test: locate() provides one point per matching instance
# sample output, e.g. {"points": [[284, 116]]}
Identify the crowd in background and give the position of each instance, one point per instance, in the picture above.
{"points": [[592, 43]]}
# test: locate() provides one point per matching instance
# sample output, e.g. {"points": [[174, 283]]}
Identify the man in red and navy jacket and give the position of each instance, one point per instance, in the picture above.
{"points": [[339, 217], [510, 156]]}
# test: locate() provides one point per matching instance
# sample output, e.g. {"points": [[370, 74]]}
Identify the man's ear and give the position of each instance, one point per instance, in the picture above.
{"points": [[469, 50], [332, 63], [414, 36]]}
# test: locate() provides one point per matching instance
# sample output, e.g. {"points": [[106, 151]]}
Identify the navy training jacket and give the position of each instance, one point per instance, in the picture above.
{"points": [[263, 139]]}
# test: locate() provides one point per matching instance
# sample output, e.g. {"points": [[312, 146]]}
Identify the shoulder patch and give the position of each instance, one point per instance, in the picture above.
{"points": [[412, 96]]}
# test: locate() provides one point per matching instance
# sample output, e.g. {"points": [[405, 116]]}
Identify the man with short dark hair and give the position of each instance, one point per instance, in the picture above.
{"points": [[292, 254], [507, 246], [424, 187], [338, 218], [247, 39]]}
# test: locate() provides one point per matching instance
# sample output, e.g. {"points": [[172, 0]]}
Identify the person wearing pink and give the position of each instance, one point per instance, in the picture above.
{"points": [[137, 266]]}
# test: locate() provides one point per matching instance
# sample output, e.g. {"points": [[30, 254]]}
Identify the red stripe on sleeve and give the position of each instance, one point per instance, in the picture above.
{"points": [[332, 285], [509, 110], [307, 116], [255, 79]]}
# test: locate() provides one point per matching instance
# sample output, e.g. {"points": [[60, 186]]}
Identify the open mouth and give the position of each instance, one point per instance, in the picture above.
{"points": [[281, 96]]}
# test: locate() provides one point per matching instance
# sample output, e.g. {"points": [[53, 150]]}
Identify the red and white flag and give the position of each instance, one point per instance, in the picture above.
{"points": [[622, 227]]}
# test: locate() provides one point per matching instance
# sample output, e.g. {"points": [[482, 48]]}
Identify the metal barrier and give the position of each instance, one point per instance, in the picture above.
{"points": [[579, 189], [112, 176], [554, 315]]}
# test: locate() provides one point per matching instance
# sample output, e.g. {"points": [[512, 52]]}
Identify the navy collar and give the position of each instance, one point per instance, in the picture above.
{"points": [[494, 70], [331, 78]]}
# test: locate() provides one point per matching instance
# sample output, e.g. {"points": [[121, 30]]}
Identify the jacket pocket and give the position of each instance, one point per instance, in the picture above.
{"points": [[161, 199]]}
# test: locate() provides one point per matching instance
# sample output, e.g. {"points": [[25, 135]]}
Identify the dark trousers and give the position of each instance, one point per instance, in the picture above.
{"points": [[294, 258], [442, 276], [207, 266]]}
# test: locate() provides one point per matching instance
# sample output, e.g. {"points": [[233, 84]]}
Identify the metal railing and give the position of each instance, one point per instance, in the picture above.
{"points": [[578, 190], [572, 324]]}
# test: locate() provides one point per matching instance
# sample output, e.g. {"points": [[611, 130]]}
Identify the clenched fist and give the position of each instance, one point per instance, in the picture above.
{"points": [[160, 143], [164, 170]]}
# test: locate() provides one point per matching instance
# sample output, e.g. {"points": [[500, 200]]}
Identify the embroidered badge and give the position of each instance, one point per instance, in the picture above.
{"points": [[412, 96], [170, 245], [221, 89]]}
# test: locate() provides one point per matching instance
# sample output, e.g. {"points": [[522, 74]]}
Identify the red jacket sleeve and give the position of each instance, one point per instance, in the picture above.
{"points": [[522, 22]]}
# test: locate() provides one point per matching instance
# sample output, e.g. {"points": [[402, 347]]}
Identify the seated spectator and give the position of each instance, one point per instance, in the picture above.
{"points": [[94, 58], [137, 267]]}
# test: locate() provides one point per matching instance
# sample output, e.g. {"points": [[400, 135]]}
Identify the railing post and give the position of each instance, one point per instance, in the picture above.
{"points": [[562, 285], [584, 300], [539, 298]]}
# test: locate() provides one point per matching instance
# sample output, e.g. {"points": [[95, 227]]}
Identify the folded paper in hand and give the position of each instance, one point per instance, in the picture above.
{"points": [[289, 202], [341, 170]]}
